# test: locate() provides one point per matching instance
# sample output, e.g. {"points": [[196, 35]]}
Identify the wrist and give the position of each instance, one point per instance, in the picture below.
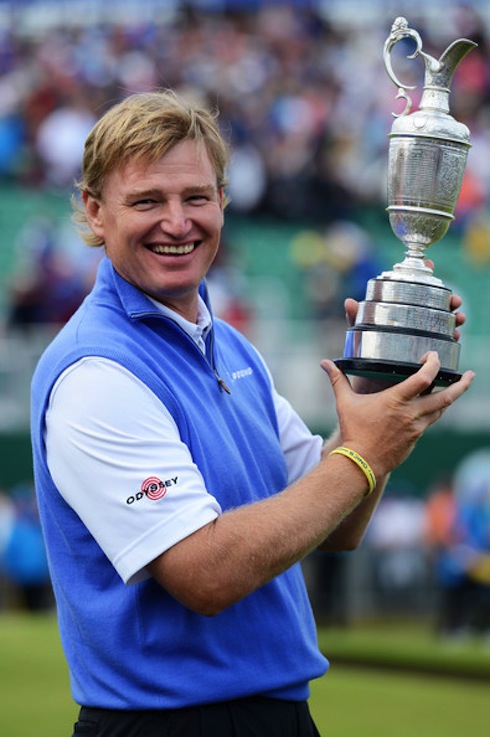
{"points": [[361, 463]]}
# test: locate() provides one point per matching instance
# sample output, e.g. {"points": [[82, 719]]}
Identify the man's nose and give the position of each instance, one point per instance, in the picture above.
{"points": [[175, 220]]}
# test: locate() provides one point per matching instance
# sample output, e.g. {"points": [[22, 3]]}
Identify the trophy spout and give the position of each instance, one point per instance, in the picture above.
{"points": [[438, 76]]}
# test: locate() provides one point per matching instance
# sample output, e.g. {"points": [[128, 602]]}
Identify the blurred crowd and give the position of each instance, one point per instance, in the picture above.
{"points": [[305, 102], [426, 553], [437, 547]]}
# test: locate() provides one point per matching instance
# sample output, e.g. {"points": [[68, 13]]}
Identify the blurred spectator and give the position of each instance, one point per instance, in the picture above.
{"points": [[246, 178], [335, 263], [23, 556], [6, 524], [440, 537], [6, 520], [51, 277], [227, 288], [60, 140], [460, 532], [477, 239], [396, 536], [326, 577]]}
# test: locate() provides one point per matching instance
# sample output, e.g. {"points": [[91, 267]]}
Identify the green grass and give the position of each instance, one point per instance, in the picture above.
{"points": [[351, 702], [34, 686], [413, 646], [348, 702]]}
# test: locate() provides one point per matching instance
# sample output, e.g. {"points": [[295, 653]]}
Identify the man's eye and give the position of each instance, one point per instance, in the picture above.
{"points": [[197, 198], [144, 203]]}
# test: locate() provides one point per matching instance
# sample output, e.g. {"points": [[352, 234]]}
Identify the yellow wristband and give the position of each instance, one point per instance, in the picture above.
{"points": [[359, 461]]}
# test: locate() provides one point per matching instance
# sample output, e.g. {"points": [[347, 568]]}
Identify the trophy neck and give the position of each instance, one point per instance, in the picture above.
{"points": [[435, 99], [413, 268]]}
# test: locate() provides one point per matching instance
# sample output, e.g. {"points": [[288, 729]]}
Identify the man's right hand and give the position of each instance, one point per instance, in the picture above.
{"points": [[384, 427]]}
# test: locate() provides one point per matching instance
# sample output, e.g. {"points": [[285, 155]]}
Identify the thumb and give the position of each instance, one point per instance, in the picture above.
{"points": [[338, 379]]}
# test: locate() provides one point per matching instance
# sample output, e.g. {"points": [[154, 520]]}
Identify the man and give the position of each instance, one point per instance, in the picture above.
{"points": [[178, 491]]}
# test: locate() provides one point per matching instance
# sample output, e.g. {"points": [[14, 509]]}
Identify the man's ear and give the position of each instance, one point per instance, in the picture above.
{"points": [[93, 214]]}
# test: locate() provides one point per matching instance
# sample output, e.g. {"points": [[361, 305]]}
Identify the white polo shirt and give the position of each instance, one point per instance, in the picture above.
{"points": [[106, 430]]}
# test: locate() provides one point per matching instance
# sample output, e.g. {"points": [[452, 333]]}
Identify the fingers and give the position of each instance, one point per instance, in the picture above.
{"points": [[460, 320], [436, 403], [418, 385], [415, 386], [351, 307], [433, 406], [385, 428], [455, 302], [422, 380]]}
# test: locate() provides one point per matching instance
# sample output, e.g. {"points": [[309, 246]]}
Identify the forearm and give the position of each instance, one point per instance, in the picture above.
{"points": [[349, 533], [246, 547]]}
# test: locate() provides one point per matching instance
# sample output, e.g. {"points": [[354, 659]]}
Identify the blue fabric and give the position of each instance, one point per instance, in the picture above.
{"points": [[135, 647]]}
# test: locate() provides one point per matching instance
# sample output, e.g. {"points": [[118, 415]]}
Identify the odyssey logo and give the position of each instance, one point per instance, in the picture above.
{"points": [[153, 489]]}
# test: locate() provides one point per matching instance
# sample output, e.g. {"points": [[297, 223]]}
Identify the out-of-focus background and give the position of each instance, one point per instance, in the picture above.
{"points": [[306, 106]]}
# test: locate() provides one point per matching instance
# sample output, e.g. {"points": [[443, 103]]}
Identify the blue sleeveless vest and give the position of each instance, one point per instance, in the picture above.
{"points": [[135, 647]]}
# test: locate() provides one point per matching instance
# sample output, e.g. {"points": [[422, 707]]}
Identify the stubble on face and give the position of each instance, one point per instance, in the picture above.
{"points": [[161, 223]]}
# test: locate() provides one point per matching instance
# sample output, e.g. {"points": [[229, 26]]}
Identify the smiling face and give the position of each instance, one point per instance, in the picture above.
{"points": [[161, 223]]}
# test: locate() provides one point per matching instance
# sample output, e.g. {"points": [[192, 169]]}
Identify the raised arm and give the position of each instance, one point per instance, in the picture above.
{"points": [[248, 546]]}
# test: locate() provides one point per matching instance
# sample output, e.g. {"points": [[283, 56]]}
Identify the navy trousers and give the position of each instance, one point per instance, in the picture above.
{"points": [[250, 717]]}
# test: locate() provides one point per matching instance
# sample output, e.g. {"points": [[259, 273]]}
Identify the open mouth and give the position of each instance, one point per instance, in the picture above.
{"points": [[170, 250]]}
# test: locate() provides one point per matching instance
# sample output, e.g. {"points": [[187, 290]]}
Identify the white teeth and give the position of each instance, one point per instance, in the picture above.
{"points": [[174, 250]]}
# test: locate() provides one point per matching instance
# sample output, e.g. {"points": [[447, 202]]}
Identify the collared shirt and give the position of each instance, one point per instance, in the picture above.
{"points": [[199, 330], [105, 427]]}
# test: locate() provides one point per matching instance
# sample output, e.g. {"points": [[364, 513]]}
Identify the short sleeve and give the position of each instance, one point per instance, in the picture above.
{"points": [[116, 457]]}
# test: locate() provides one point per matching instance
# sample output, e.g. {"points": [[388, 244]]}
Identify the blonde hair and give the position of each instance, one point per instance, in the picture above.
{"points": [[145, 125]]}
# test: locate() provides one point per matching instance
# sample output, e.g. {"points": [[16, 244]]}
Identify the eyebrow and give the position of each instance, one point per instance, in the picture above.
{"points": [[155, 192]]}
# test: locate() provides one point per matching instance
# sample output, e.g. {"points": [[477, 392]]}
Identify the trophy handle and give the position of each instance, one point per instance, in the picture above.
{"points": [[401, 30]]}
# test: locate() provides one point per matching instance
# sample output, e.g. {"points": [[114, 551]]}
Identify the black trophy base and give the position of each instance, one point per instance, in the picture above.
{"points": [[391, 371]]}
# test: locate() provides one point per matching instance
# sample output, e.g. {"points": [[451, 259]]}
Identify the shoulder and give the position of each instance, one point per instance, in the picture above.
{"points": [[95, 386]]}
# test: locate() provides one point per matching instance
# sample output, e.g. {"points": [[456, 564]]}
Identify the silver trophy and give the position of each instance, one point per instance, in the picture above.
{"points": [[407, 310]]}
